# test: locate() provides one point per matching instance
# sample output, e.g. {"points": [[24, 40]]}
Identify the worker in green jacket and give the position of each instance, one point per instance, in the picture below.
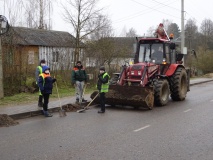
{"points": [[79, 79], [37, 73]]}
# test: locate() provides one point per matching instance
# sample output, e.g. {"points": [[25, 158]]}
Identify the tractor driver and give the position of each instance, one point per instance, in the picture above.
{"points": [[157, 55]]}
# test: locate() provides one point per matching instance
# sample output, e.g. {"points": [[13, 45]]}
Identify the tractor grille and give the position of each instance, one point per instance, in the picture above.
{"points": [[135, 77], [136, 67]]}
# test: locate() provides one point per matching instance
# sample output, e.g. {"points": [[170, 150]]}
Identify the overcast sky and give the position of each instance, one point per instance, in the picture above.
{"points": [[141, 14]]}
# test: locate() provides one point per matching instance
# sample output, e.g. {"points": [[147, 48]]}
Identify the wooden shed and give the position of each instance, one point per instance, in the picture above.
{"points": [[23, 48], [27, 46]]}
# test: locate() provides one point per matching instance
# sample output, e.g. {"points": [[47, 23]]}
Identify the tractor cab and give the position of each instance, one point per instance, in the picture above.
{"points": [[155, 51]]}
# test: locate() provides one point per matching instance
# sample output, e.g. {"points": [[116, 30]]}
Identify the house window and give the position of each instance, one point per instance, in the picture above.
{"points": [[9, 58], [31, 57], [55, 56]]}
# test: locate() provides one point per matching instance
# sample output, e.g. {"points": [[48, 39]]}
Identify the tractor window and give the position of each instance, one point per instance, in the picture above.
{"points": [[167, 51], [144, 54], [141, 53], [157, 53]]}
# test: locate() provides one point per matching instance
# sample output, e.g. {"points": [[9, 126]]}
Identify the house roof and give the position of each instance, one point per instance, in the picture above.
{"points": [[40, 37]]}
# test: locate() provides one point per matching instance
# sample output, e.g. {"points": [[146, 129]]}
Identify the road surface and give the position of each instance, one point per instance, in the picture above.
{"points": [[179, 131]]}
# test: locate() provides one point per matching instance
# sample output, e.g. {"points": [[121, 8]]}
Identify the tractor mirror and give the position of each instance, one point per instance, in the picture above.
{"points": [[172, 46]]}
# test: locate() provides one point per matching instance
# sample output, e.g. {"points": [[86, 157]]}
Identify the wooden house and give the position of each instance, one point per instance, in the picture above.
{"points": [[23, 48]]}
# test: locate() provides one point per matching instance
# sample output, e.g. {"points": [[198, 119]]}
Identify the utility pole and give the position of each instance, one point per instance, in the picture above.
{"points": [[182, 27], [4, 26], [1, 72]]}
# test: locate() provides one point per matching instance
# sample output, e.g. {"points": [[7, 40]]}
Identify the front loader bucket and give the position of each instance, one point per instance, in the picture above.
{"points": [[135, 96]]}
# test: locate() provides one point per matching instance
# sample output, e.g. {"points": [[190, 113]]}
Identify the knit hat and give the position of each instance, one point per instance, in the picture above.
{"points": [[78, 62], [42, 61], [102, 68], [44, 68]]}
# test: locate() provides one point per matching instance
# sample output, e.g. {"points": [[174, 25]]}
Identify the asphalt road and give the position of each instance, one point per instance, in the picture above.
{"points": [[178, 131]]}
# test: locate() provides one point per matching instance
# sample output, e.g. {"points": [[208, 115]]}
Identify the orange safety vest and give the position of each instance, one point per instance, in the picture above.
{"points": [[44, 76]]}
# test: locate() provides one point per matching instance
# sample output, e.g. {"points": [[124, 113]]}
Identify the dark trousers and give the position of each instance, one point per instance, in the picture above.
{"points": [[40, 99], [46, 101], [102, 101]]}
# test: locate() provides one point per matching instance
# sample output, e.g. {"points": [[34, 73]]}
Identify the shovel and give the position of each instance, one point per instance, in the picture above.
{"points": [[62, 112], [85, 108]]}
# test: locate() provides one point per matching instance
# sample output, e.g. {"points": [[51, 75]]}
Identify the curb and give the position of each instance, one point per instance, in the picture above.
{"points": [[32, 113], [201, 82], [56, 109]]}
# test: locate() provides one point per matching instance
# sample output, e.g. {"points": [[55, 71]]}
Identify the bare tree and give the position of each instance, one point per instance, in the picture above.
{"points": [[14, 11], [84, 18], [150, 32], [207, 31], [123, 32], [100, 47], [105, 31], [38, 13], [191, 30], [166, 24], [131, 33]]}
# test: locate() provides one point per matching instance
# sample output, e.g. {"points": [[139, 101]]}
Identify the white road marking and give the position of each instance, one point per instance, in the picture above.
{"points": [[211, 101], [142, 128], [187, 110]]}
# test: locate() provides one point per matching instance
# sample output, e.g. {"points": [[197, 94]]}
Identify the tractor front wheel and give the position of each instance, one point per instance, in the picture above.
{"points": [[179, 85], [161, 92]]}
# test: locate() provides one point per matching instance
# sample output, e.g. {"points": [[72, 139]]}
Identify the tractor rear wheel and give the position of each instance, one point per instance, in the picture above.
{"points": [[161, 92], [179, 85], [114, 79]]}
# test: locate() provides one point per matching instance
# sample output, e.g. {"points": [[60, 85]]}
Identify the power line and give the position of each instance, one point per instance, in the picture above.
{"points": [[166, 5], [144, 12], [155, 9]]}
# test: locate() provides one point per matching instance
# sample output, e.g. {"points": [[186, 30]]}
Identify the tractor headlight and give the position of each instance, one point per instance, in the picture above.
{"points": [[164, 61]]}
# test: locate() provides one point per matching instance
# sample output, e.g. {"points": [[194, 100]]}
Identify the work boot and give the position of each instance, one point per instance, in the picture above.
{"points": [[101, 111], [40, 104], [47, 114]]}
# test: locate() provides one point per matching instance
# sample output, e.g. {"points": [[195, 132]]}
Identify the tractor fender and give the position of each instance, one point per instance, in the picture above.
{"points": [[172, 68]]}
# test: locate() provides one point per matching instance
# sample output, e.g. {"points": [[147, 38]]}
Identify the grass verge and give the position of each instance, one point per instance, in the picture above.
{"points": [[24, 98]]}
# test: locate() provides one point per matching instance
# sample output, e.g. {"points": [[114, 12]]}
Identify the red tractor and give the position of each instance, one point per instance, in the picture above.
{"points": [[156, 74]]}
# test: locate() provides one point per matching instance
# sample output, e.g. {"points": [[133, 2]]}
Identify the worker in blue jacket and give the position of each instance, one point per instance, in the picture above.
{"points": [[45, 84]]}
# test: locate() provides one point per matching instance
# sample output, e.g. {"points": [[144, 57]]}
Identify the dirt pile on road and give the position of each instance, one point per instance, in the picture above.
{"points": [[73, 107], [6, 121]]}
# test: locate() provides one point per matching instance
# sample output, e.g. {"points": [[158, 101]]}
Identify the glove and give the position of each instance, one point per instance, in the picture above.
{"points": [[54, 80]]}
